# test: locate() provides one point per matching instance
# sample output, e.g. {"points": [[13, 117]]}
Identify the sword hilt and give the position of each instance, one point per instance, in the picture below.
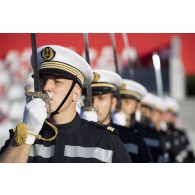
{"points": [[43, 96]]}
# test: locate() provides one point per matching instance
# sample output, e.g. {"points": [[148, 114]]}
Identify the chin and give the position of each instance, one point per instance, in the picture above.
{"points": [[51, 109]]}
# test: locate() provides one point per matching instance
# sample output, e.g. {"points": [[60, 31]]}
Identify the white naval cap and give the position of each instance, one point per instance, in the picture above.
{"points": [[58, 60], [172, 105], [106, 79], [132, 89], [154, 102], [147, 100]]}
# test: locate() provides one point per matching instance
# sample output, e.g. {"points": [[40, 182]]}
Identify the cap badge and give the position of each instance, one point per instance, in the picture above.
{"points": [[48, 53], [96, 77], [123, 86]]}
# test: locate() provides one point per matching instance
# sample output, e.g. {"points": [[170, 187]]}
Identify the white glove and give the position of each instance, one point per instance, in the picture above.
{"points": [[119, 118], [89, 116], [35, 114]]}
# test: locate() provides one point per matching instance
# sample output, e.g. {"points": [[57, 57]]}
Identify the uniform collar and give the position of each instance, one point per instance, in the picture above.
{"points": [[71, 126]]}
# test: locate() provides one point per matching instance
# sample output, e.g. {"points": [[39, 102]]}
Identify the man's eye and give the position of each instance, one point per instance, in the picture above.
{"points": [[58, 81]]}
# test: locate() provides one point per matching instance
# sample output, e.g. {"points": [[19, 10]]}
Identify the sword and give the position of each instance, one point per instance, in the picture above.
{"points": [[37, 92], [21, 131], [112, 37], [126, 45], [34, 63], [116, 68], [158, 74], [88, 102]]}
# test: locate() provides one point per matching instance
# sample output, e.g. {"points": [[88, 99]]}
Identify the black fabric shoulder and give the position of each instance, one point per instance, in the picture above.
{"points": [[11, 135]]}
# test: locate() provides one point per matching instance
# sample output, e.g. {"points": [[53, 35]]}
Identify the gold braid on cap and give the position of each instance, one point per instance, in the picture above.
{"points": [[103, 85], [131, 93], [64, 67], [124, 91]]}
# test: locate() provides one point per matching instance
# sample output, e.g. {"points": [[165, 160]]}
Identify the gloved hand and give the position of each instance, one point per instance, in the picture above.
{"points": [[89, 115], [119, 118], [34, 116]]}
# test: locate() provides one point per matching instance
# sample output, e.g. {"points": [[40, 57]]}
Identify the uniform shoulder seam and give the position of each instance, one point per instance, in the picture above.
{"points": [[105, 127]]}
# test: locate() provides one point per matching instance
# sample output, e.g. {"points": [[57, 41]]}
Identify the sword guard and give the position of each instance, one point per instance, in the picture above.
{"points": [[43, 96]]}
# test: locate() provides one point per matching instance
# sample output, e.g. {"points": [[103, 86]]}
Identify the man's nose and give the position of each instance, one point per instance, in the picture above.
{"points": [[49, 85], [95, 102]]}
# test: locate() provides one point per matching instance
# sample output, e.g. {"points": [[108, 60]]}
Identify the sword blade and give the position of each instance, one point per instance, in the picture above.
{"points": [[158, 74], [126, 45], [112, 37], [88, 102], [34, 63]]}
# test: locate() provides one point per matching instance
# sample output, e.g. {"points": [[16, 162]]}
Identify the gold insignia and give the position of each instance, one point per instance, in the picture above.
{"points": [[48, 53], [123, 86], [110, 128], [96, 77]]}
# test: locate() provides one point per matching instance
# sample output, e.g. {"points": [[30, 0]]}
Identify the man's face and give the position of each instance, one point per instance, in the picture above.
{"points": [[103, 104], [128, 105], [169, 117], [146, 112], [156, 118], [57, 88]]}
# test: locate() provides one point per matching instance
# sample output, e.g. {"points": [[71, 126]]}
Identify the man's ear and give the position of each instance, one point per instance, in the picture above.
{"points": [[77, 93], [114, 103]]}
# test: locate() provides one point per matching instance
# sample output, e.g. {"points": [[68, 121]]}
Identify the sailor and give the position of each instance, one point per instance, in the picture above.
{"points": [[63, 136], [131, 93], [152, 109], [182, 148], [104, 93]]}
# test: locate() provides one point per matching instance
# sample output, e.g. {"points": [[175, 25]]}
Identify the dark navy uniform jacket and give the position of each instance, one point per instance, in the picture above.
{"points": [[181, 144], [154, 141], [138, 150], [170, 144], [79, 141]]}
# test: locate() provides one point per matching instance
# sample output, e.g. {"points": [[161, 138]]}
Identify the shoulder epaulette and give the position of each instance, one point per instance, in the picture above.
{"points": [[98, 124], [110, 128], [105, 127]]}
